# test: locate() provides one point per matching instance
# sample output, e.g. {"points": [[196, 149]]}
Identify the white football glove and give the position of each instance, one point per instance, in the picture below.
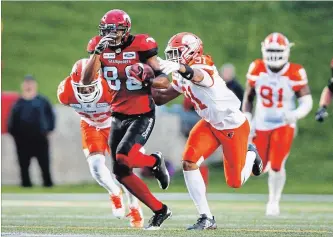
{"points": [[168, 66], [289, 117], [102, 44]]}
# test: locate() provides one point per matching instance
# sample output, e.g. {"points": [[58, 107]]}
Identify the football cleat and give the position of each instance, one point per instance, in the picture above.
{"points": [[258, 165], [136, 217], [272, 209], [157, 219], [204, 223], [160, 171], [118, 207]]}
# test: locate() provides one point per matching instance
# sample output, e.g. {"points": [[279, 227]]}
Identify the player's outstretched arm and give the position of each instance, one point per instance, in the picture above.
{"points": [[161, 81], [91, 69], [163, 96], [187, 72]]}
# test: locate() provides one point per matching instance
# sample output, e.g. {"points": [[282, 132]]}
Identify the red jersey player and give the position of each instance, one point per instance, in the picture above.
{"points": [[114, 52], [92, 103], [276, 83], [195, 75]]}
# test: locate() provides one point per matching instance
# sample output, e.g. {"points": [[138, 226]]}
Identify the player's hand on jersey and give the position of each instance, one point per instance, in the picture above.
{"points": [[321, 114], [168, 67], [102, 44], [289, 117]]}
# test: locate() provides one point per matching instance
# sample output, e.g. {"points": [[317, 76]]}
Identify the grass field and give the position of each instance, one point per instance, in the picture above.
{"points": [[236, 215]]}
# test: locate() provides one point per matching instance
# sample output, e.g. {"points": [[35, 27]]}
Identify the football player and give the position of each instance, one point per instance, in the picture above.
{"points": [[276, 82], [195, 75], [92, 103], [325, 99], [114, 51]]}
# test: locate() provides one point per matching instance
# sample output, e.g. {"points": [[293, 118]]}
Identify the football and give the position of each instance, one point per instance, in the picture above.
{"points": [[140, 69]]}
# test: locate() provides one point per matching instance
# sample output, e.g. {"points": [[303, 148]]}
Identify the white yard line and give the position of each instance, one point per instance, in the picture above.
{"points": [[168, 197]]}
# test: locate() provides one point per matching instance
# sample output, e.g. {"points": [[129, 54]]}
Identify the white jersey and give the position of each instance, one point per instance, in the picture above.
{"points": [[211, 98], [97, 114], [275, 92]]}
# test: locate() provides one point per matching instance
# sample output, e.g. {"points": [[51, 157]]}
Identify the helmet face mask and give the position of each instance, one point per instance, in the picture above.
{"points": [[183, 48], [117, 25], [87, 93], [276, 50], [173, 54]]}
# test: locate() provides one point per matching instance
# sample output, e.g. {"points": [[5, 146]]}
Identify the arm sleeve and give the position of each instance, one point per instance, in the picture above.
{"points": [[304, 106]]}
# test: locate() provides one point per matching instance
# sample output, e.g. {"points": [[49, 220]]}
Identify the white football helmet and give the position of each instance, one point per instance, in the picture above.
{"points": [[276, 50], [85, 93]]}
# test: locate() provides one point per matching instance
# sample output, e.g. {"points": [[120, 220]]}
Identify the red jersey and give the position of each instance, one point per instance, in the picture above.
{"points": [[128, 96]]}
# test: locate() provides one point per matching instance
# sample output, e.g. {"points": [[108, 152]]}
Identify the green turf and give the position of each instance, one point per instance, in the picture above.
{"points": [[233, 218], [216, 185]]}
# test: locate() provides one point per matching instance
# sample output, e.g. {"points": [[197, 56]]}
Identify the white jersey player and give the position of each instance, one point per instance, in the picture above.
{"points": [[92, 103], [222, 123], [276, 83]]}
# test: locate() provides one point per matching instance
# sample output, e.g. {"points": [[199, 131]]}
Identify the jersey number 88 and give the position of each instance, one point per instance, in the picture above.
{"points": [[111, 76]]}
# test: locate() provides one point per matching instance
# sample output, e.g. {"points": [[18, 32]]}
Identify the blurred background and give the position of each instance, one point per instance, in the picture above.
{"points": [[45, 39]]}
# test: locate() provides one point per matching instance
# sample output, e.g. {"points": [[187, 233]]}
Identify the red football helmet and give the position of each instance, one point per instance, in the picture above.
{"points": [[85, 93], [183, 48], [117, 24], [276, 50]]}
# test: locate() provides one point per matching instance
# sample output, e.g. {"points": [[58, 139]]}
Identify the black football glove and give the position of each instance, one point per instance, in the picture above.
{"points": [[102, 44], [321, 114]]}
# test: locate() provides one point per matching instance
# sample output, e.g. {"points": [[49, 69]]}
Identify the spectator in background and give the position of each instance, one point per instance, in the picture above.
{"points": [[30, 122], [228, 73]]}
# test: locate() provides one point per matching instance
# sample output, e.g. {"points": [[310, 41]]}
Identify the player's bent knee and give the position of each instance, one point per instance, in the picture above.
{"points": [[191, 156], [276, 167], [123, 160], [234, 183], [189, 165], [121, 171], [96, 148], [95, 162]]}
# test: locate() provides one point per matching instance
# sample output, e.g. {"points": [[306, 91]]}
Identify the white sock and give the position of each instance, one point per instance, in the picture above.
{"points": [[276, 181], [131, 199], [247, 169], [197, 190], [102, 174]]}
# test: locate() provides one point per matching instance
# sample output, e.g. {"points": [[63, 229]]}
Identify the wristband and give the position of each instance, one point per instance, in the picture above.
{"points": [[188, 74]]}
